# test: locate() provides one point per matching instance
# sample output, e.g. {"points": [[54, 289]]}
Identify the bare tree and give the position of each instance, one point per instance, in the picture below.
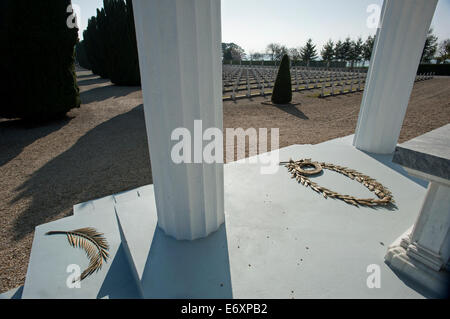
{"points": [[256, 56], [272, 49], [232, 51], [430, 47], [443, 51], [294, 54], [281, 52]]}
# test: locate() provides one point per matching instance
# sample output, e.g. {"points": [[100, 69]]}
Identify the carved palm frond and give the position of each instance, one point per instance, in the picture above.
{"points": [[93, 243]]}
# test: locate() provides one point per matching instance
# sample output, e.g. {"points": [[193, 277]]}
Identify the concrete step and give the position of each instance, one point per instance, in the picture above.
{"points": [[108, 202], [342, 141], [51, 255]]}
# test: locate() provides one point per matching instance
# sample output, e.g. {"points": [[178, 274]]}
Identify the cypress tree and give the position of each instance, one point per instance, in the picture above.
{"points": [[94, 39], [81, 57], [124, 61], [110, 43], [38, 60], [308, 52], [282, 91]]}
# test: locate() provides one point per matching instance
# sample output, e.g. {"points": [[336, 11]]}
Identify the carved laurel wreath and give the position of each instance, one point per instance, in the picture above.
{"points": [[93, 243], [384, 196]]}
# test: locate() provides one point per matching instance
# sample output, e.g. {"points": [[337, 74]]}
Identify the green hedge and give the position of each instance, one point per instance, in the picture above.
{"points": [[37, 61], [110, 43], [437, 69]]}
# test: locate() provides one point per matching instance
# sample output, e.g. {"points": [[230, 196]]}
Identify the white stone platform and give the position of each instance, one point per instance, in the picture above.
{"points": [[51, 255], [280, 239]]}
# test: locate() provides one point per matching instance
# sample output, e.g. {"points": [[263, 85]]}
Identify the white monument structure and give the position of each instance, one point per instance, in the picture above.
{"points": [[277, 238], [423, 252]]}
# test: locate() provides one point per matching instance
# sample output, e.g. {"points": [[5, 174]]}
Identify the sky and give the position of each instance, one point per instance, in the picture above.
{"points": [[252, 24]]}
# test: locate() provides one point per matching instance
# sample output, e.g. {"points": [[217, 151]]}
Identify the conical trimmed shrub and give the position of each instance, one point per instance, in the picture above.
{"points": [[282, 91], [37, 61]]}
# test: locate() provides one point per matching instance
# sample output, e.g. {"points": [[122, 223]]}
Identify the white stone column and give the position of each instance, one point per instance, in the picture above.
{"points": [[179, 43], [396, 55], [429, 239], [422, 253]]}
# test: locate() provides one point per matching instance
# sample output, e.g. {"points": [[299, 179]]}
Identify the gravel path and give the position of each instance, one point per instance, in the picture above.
{"points": [[101, 149]]}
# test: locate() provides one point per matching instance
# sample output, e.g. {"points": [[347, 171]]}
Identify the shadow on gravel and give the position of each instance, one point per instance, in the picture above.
{"points": [[92, 81], [110, 158], [83, 76], [17, 134], [292, 110], [106, 92]]}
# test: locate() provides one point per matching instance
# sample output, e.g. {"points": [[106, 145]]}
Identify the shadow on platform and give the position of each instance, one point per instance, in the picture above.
{"points": [[119, 282], [387, 161], [417, 287], [188, 269]]}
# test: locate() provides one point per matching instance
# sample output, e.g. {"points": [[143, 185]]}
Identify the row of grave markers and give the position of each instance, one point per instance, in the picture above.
{"points": [[331, 82], [341, 88], [260, 78]]}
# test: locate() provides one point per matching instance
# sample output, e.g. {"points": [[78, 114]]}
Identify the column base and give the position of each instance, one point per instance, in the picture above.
{"points": [[164, 267], [399, 259]]}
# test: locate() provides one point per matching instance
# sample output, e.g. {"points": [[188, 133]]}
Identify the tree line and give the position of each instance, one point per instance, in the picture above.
{"points": [[109, 46], [348, 50], [351, 51]]}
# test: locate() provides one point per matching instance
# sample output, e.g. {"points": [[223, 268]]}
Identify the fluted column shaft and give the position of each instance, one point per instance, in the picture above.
{"points": [[179, 43], [396, 55]]}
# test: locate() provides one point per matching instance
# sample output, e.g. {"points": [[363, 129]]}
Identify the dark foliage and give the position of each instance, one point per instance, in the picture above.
{"points": [[110, 43], [37, 61], [81, 56], [437, 69], [282, 91]]}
